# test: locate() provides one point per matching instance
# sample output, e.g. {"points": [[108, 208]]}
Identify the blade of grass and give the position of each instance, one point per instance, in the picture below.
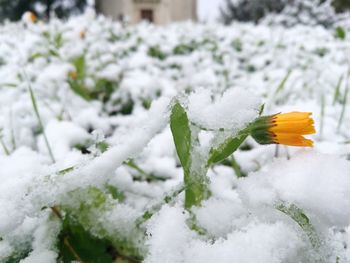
{"points": [[283, 82], [237, 168], [344, 104], [323, 106], [345, 101], [337, 90], [37, 114], [13, 139], [6, 150]]}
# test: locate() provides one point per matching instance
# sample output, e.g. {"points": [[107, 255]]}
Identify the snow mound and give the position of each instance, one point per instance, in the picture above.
{"points": [[231, 111]]}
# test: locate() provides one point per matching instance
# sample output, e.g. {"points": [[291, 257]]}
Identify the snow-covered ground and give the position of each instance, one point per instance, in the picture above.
{"points": [[106, 163]]}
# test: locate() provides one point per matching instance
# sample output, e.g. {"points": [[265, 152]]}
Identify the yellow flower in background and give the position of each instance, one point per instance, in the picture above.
{"points": [[82, 34], [29, 17], [72, 74], [33, 17], [284, 128]]}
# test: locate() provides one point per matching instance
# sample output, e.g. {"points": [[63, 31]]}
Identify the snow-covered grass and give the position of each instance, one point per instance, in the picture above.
{"points": [[112, 143]]}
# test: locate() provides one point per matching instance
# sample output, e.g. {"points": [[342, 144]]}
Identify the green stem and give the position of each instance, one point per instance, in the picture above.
{"points": [[236, 167]]}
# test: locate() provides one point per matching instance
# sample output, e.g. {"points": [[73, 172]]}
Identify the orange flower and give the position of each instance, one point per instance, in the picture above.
{"points": [[284, 128]]}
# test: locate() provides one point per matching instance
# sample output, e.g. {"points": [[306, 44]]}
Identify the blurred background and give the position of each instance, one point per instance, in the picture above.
{"points": [[167, 11]]}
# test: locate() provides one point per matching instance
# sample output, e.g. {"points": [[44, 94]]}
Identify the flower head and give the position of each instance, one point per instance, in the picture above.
{"points": [[72, 74], [82, 34], [284, 128], [29, 17]]}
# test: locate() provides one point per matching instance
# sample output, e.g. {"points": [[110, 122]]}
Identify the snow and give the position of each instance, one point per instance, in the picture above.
{"points": [[44, 242], [171, 240], [258, 242], [63, 137], [5, 250], [232, 111], [169, 236], [221, 76], [229, 215], [309, 181]]}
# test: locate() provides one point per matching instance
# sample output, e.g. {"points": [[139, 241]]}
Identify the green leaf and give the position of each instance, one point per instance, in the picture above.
{"points": [[237, 44], [116, 193], [80, 66], [146, 103], [66, 170], [77, 85], [84, 211], [261, 110], [75, 243], [340, 33], [181, 131], [196, 182], [298, 215], [79, 89], [58, 40], [322, 51], [156, 52], [102, 146], [35, 56], [184, 49], [103, 89], [225, 149], [97, 196]]}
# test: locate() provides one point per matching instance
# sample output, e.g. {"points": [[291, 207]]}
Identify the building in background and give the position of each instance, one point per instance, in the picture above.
{"points": [[160, 12]]}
